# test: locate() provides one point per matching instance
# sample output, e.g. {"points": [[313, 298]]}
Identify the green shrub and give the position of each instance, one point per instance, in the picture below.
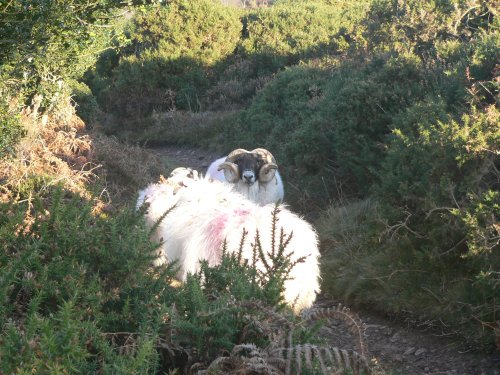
{"points": [[43, 43], [78, 293], [86, 104], [170, 59], [429, 246], [314, 119], [293, 30], [415, 26], [204, 30], [11, 130], [70, 280], [413, 128]]}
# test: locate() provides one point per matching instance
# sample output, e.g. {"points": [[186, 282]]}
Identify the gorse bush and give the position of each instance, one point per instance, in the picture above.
{"points": [[318, 119], [201, 54], [434, 222], [429, 245], [235, 308], [70, 279], [213, 300], [280, 36], [205, 31], [416, 26]]}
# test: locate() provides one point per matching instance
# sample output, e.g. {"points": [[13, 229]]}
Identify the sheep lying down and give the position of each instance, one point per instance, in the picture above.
{"points": [[207, 213]]}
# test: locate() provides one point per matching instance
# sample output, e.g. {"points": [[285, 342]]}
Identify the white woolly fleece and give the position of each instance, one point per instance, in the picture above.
{"points": [[207, 213]]}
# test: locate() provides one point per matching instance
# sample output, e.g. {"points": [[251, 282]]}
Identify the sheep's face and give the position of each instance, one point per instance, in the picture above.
{"points": [[249, 166]]}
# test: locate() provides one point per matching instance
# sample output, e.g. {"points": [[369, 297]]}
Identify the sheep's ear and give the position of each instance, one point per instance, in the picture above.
{"points": [[267, 172], [231, 173]]}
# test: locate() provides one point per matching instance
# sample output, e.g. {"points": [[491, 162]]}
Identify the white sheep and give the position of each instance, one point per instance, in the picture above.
{"points": [[253, 174], [208, 213]]}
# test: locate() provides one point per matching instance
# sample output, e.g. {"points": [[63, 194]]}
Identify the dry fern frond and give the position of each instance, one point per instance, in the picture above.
{"points": [[276, 326], [246, 359], [250, 359], [351, 319], [329, 359], [281, 356]]}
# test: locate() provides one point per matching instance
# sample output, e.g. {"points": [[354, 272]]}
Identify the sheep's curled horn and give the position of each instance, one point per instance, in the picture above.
{"points": [[266, 172]]}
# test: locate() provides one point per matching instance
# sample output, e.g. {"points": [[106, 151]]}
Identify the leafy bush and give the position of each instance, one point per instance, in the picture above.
{"points": [[44, 43]]}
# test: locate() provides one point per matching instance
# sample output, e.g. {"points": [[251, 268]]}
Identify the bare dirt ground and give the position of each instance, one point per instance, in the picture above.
{"points": [[187, 157], [397, 347]]}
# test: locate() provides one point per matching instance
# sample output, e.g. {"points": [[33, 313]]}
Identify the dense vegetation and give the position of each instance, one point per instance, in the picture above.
{"points": [[385, 110]]}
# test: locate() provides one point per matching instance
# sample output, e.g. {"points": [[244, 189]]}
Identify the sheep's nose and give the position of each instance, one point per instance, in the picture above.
{"points": [[248, 177]]}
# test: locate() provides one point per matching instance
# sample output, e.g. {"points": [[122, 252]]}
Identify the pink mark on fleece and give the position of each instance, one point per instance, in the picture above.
{"points": [[216, 227], [213, 246]]}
